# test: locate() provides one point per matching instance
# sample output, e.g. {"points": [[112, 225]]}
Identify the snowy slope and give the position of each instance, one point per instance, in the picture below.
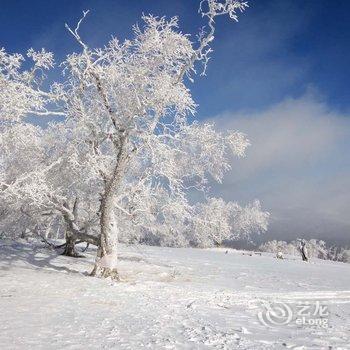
{"points": [[168, 299]]}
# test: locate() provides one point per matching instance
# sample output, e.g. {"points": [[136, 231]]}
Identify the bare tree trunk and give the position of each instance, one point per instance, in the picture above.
{"points": [[107, 254], [69, 249], [303, 251], [304, 256], [106, 258], [73, 233]]}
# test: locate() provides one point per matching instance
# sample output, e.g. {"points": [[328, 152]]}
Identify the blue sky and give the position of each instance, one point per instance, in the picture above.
{"points": [[280, 75], [279, 48]]}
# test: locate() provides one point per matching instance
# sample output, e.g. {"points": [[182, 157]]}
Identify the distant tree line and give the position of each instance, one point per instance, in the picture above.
{"points": [[315, 249]]}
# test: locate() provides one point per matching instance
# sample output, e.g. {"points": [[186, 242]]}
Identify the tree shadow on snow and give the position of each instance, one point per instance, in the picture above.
{"points": [[25, 255]]}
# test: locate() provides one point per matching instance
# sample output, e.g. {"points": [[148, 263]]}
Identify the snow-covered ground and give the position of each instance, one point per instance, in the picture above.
{"points": [[170, 299]]}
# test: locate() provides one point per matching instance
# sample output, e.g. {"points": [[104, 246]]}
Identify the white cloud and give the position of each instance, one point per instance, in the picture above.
{"points": [[298, 165]]}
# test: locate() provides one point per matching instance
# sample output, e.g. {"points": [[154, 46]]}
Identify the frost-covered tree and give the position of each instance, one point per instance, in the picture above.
{"points": [[317, 249], [22, 91], [225, 221], [21, 94], [205, 224], [275, 246], [307, 249], [131, 102], [39, 179], [127, 154], [345, 255], [338, 253], [40, 184]]}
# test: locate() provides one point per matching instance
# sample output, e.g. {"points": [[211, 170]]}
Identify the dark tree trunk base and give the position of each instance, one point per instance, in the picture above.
{"points": [[73, 254], [69, 249], [105, 272], [112, 273]]}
